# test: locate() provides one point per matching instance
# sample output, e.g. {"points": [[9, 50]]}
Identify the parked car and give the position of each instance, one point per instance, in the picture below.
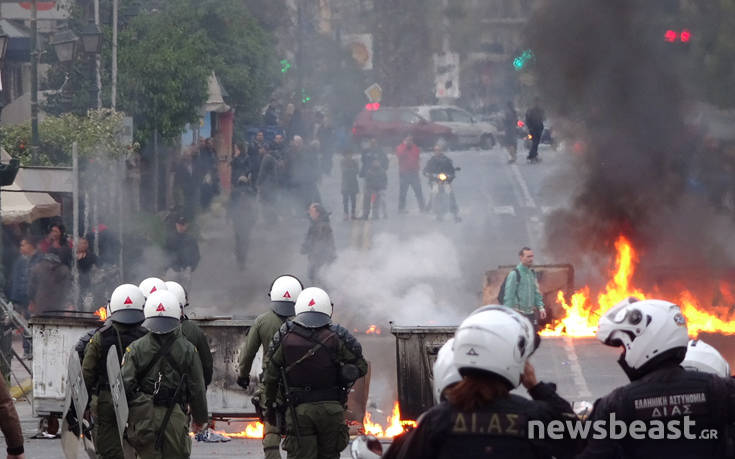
{"points": [[390, 125], [467, 130]]}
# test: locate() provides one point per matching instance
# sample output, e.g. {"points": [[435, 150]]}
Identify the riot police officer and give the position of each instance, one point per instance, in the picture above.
{"points": [[163, 376], [654, 338], [192, 332], [491, 351], [312, 363], [151, 285], [703, 357], [126, 314], [283, 293]]}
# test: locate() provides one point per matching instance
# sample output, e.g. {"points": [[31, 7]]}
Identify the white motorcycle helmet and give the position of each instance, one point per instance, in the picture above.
{"points": [[705, 358], [126, 304], [162, 312], [444, 371], [179, 291], [313, 308], [497, 340], [650, 331], [283, 294], [151, 285]]}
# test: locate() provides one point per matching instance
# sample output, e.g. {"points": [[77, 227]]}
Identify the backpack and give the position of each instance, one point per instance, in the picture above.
{"points": [[501, 292]]}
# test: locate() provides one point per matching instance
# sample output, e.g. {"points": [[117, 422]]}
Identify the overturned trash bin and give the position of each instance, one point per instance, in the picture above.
{"points": [[416, 351]]}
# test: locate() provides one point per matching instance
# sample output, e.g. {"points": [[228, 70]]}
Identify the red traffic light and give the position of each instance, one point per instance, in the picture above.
{"points": [[685, 36], [670, 36], [520, 123], [373, 107]]}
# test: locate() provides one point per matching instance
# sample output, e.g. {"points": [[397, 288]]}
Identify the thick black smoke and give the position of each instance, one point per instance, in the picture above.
{"points": [[604, 68]]}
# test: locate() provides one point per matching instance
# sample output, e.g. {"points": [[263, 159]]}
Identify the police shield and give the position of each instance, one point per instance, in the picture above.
{"points": [[75, 386], [117, 390]]}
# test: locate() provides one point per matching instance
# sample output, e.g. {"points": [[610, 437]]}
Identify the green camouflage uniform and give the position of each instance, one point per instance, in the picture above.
{"points": [[94, 369], [322, 431], [181, 357], [261, 334], [198, 338]]}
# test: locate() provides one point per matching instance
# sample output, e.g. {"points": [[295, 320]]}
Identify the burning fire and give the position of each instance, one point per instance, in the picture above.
{"points": [[101, 313], [395, 425], [582, 315], [373, 329], [253, 430]]}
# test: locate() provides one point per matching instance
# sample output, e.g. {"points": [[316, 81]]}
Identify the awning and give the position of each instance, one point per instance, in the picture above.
{"points": [[40, 179], [19, 207]]}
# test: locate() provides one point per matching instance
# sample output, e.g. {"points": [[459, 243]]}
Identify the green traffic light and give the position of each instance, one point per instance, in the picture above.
{"points": [[285, 65], [520, 61]]}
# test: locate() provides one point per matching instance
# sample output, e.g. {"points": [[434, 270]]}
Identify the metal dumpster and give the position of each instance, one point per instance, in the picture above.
{"points": [[416, 350], [54, 338]]}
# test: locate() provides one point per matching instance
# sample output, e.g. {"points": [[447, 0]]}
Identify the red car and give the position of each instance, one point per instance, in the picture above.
{"points": [[390, 125]]}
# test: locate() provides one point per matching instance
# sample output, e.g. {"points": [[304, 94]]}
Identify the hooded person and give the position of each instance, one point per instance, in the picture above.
{"points": [[164, 382], [653, 336], [192, 332], [124, 327], [282, 295], [312, 364]]}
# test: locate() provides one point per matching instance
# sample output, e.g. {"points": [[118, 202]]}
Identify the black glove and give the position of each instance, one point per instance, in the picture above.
{"points": [[243, 382]]}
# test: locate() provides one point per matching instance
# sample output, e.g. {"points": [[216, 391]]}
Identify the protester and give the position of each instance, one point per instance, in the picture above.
{"points": [[57, 242], [186, 184], [10, 424], [408, 173], [522, 291], [20, 277], [50, 285], [242, 207], [319, 243], [535, 123], [350, 187], [183, 250]]}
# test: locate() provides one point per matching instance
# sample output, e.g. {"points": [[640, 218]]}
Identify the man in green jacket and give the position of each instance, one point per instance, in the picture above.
{"points": [[163, 375], [522, 291], [312, 364], [283, 293], [126, 315]]}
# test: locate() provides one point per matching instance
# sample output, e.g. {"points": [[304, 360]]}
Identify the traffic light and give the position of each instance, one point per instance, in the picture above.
{"points": [[285, 65], [520, 61], [685, 36], [304, 96], [674, 36], [372, 107]]}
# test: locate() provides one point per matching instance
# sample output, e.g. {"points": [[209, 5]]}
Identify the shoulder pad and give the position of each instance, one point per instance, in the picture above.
{"points": [[352, 344], [285, 329]]}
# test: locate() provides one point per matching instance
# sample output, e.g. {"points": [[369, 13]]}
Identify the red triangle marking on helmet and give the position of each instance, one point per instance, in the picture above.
{"points": [[128, 301], [312, 302], [287, 295], [153, 289], [160, 307]]}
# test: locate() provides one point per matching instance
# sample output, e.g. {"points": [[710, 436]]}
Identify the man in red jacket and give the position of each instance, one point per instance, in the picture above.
{"points": [[408, 173]]}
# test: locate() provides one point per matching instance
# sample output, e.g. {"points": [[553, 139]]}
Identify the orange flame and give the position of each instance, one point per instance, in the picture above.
{"points": [[253, 430], [582, 315], [394, 425], [101, 313], [373, 329]]}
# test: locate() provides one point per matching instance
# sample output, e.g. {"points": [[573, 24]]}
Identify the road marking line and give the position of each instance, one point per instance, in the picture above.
{"points": [[524, 186], [504, 210], [577, 375]]}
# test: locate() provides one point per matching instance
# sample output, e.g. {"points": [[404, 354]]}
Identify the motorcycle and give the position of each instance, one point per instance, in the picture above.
{"points": [[441, 191]]}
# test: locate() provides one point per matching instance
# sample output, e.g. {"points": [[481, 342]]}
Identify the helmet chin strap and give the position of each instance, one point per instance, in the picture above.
{"points": [[672, 357]]}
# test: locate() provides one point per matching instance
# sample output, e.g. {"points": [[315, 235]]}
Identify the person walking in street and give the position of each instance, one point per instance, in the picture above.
{"points": [[207, 165], [535, 122], [283, 293], [268, 186], [522, 291], [373, 199], [408, 173], [126, 314], [242, 209], [20, 277], [183, 249], [510, 126], [187, 177], [163, 381], [319, 243], [312, 364], [350, 187]]}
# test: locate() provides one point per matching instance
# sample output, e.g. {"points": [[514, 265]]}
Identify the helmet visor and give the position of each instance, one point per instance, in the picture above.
{"points": [[128, 316], [283, 308], [312, 319], [160, 325]]}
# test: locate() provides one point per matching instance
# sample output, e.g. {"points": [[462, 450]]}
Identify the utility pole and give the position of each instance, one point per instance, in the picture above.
{"points": [[34, 82], [113, 94], [97, 59]]}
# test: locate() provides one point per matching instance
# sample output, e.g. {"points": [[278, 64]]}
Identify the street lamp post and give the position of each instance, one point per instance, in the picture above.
{"points": [[91, 38], [34, 82]]}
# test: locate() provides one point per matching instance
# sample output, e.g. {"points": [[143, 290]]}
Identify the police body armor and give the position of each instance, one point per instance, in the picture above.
{"points": [[500, 427], [671, 394], [110, 338], [311, 364]]}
